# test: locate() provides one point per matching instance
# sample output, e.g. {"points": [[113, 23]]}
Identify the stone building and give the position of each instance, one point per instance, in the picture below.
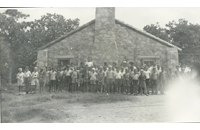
{"points": [[106, 39]]}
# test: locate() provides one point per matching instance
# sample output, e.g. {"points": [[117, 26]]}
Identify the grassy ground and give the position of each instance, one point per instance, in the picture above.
{"points": [[88, 107]]}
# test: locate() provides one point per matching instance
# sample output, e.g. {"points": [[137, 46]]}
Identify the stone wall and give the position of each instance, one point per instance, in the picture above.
{"points": [[108, 43], [132, 44], [77, 46]]}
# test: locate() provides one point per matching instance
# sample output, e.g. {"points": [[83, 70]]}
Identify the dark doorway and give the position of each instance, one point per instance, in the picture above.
{"points": [[148, 61], [64, 62]]}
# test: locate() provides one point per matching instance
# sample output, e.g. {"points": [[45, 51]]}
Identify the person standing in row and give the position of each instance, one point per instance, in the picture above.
{"points": [[127, 82], [53, 80], [135, 81], [47, 79], [109, 80], [74, 80], [20, 79], [59, 79], [62, 82], [122, 71], [100, 79], [118, 77], [93, 75], [42, 76], [131, 80], [34, 80], [142, 82], [68, 79], [80, 80], [147, 73], [86, 79], [27, 79], [154, 77]]}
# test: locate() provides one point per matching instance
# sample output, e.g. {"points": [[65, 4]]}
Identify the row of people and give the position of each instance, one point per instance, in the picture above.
{"points": [[109, 79]]}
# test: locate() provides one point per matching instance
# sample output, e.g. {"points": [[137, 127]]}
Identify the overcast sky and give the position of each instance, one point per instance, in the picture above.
{"points": [[135, 16]]}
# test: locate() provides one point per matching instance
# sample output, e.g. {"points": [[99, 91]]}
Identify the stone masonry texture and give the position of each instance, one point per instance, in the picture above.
{"points": [[107, 40]]}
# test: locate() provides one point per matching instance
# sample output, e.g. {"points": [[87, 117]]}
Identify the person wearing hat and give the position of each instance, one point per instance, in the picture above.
{"points": [[20, 79], [27, 77], [142, 82]]}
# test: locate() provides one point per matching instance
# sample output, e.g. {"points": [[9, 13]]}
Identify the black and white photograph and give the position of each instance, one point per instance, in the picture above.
{"points": [[100, 64]]}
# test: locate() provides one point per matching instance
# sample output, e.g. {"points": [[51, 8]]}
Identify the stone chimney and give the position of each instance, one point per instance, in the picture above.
{"points": [[104, 18], [105, 46]]}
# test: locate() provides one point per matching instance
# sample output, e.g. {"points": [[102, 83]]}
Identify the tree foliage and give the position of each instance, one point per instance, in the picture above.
{"points": [[182, 34], [23, 38]]}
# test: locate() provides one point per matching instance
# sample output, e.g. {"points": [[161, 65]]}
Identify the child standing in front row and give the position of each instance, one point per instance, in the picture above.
{"points": [[142, 82], [127, 82], [118, 77], [53, 80], [135, 81], [131, 80], [101, 76], [109, 80], [93, 80], [122, 80], [20, 79], [80, 80], [34, 80], [74, 80], [154, 77], [86, 79], [42, 77]]}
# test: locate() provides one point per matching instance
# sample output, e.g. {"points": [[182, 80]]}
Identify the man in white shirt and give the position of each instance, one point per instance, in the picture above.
{"points": [[147, 73], [89, 63], [118, 76]]}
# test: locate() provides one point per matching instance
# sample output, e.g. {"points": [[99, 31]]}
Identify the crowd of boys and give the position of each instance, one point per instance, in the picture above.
{"points": [[126, 78]]}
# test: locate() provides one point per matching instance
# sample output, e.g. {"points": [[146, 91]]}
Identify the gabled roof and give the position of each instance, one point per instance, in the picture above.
{"points": [[117, 21]]}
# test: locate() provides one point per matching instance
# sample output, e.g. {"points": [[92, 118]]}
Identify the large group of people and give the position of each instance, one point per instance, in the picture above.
{"points": [[126, 78]]}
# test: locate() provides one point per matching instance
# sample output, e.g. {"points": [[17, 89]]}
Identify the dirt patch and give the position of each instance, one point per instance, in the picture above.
{"points": [[81, 107], [26, 115], [43, 99]]}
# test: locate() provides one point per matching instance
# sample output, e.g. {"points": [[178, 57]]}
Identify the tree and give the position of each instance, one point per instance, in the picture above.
{"points": [[23, 38], [182, 34]]}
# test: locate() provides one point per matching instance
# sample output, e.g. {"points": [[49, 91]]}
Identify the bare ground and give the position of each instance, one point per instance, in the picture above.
{"points": [[63, 107]]}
